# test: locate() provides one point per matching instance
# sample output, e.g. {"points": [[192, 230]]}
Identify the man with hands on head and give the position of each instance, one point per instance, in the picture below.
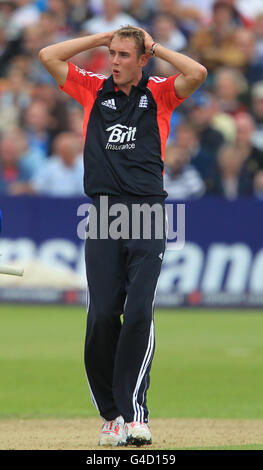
{"points": [[193, 74], [126, 125]]}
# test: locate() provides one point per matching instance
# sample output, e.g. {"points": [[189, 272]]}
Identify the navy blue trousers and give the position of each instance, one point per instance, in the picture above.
{"points": [[122, 278]]}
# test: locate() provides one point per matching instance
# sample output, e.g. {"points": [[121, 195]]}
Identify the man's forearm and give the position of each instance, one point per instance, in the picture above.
{"points": [[67, 49], [187, 66], [192, 74]]}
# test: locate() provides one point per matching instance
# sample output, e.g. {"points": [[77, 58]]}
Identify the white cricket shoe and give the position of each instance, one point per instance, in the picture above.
{"points": [[113, 433], [138, 434]]}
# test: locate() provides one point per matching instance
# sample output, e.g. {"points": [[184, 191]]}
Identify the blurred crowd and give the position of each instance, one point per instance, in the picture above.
{"points": [[215, 146]]}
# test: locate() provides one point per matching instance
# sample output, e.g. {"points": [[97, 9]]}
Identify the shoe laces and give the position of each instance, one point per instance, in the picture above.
{"points": [[112, 426]]}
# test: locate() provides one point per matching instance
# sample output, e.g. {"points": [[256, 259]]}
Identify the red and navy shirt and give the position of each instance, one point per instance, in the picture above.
{"points": [[125, 136]]}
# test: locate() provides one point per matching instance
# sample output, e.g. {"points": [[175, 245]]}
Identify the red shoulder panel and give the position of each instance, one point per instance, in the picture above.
{"points": [[83, 86], [164, 95]]}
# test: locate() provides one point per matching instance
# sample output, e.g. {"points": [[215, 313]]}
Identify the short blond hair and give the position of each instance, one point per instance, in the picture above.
{"points": [[132, 32]]}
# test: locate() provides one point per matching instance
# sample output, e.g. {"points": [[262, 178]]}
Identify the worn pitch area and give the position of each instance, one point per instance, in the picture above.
{"points": [[83, 434]]}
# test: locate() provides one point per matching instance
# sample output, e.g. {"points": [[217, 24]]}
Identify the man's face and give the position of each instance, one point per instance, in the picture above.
{"points": [[124, 61]]}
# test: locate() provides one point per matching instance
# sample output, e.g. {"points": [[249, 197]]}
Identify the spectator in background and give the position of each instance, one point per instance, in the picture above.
{"points": [[15, 97], [162, 69], [63, 173], [59, 8], [95, 8], [9, 46], [187, 139], [229, 87], [111, 19], [77, 14], [32, 159], [38, 124], [56, 105], [12, 168], [258, 185], [246, 44], [34, 37], [26, 14], [7, 8], [50, 24], [249, 9], [22, 63], [17, 91], [198, 9], [215, 45], [244, 11], [223, 122], [181, 179], [140, 10], [188, 17], [201, 113], [240, 15], [167, 33], [33, 40], [258, 32], [257, 112], [230, 179], [251, 156], [75, 123]]}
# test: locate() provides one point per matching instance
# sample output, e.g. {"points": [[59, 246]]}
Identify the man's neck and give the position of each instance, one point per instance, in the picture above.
{"points": [[127, 87]]}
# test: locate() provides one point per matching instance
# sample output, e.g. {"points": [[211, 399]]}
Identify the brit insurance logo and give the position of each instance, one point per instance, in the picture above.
{"points": [[121, 137]]}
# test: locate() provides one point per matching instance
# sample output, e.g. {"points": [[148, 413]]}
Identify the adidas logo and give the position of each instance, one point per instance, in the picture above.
{"points": [[109, 103], [143, 102]]}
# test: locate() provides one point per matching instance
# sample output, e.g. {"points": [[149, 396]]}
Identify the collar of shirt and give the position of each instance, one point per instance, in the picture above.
{"points": [[110, 87]]}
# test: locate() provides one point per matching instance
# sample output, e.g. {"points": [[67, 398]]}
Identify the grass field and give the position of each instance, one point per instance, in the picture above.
{"points": [[206, 365]]}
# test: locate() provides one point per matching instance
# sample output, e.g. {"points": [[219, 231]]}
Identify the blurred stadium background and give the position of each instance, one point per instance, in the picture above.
{"points": [[213, 164]]}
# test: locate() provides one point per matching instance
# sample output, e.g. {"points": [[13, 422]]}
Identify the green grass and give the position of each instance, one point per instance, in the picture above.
{"points": [[205, 365], [208, 365], [243, 447]]}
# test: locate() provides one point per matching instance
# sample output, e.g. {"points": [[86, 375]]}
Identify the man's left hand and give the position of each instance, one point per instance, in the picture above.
{"points": [[148, 42]]}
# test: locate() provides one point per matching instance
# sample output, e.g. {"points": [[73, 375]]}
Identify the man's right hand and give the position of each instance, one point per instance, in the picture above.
{"points": [[109, 38], [54, 57]]}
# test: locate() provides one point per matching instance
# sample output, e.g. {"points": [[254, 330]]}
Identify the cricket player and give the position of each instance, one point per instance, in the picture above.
{"points": [[126, 125]]}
